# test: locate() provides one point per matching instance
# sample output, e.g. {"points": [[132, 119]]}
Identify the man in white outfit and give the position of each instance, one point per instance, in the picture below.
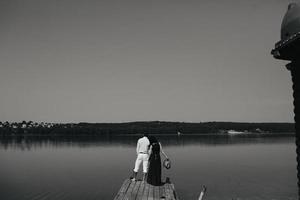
{"points": [[142, 150]]}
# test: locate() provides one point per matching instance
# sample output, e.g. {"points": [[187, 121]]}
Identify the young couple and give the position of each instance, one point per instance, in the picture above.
{"points": [[148, 152]]}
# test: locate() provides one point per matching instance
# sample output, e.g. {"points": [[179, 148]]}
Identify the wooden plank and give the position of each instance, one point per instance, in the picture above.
{"points": [[167, 190], [156, 192], [146, 191], [138, 190], [141, 190], [129, 190], [171, 191], [174, 191], [135, 190], [122, 190], [162, 192], [150, 195]]}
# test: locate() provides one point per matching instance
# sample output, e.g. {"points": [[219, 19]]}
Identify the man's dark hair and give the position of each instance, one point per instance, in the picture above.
{"points": [[145, 134]]}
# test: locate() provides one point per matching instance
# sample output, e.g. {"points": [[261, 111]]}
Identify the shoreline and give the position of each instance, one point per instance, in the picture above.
{"points": [[290, 134]]}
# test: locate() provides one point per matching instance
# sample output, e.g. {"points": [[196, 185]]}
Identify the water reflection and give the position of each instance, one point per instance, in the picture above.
{"points": [[244, 167], [34, 142]]}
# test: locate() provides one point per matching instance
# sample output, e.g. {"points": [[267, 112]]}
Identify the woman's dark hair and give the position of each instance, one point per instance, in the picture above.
{"points": [[152, 139]]}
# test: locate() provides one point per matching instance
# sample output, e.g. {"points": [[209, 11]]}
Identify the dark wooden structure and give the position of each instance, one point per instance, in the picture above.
{"points": [[288, 48], [140, 190]]}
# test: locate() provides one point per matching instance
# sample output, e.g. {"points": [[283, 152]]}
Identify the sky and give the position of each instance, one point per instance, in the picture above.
{"points": [[120, 61]]}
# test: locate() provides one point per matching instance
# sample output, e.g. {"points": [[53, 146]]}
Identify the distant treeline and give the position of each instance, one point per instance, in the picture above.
{"points": [[153, 127]]}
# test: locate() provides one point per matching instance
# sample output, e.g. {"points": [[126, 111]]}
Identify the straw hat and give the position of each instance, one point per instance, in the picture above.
{"points": [[167, 163]]}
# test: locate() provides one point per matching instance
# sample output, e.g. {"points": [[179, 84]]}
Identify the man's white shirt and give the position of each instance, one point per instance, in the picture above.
{"points": [[142, 145]]}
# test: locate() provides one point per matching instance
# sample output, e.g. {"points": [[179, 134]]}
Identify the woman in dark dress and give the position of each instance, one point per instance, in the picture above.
{"points": [[154, 169]]}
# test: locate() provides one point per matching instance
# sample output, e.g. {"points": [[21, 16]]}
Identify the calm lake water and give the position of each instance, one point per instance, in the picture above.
{"points": [[253, 168]]}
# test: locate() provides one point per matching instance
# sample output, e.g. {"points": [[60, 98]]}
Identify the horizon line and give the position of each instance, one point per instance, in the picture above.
{"points": [[149, 121]]}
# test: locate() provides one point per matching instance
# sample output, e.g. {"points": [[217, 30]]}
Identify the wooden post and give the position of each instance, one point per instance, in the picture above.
{"points": [[201, 196]]}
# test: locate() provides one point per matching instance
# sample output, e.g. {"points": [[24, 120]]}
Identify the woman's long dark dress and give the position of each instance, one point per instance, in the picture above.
{"points": [[154, 171]]}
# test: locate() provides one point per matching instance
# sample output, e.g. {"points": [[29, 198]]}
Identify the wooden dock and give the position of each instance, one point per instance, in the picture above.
{"points": [[139, 190]]}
